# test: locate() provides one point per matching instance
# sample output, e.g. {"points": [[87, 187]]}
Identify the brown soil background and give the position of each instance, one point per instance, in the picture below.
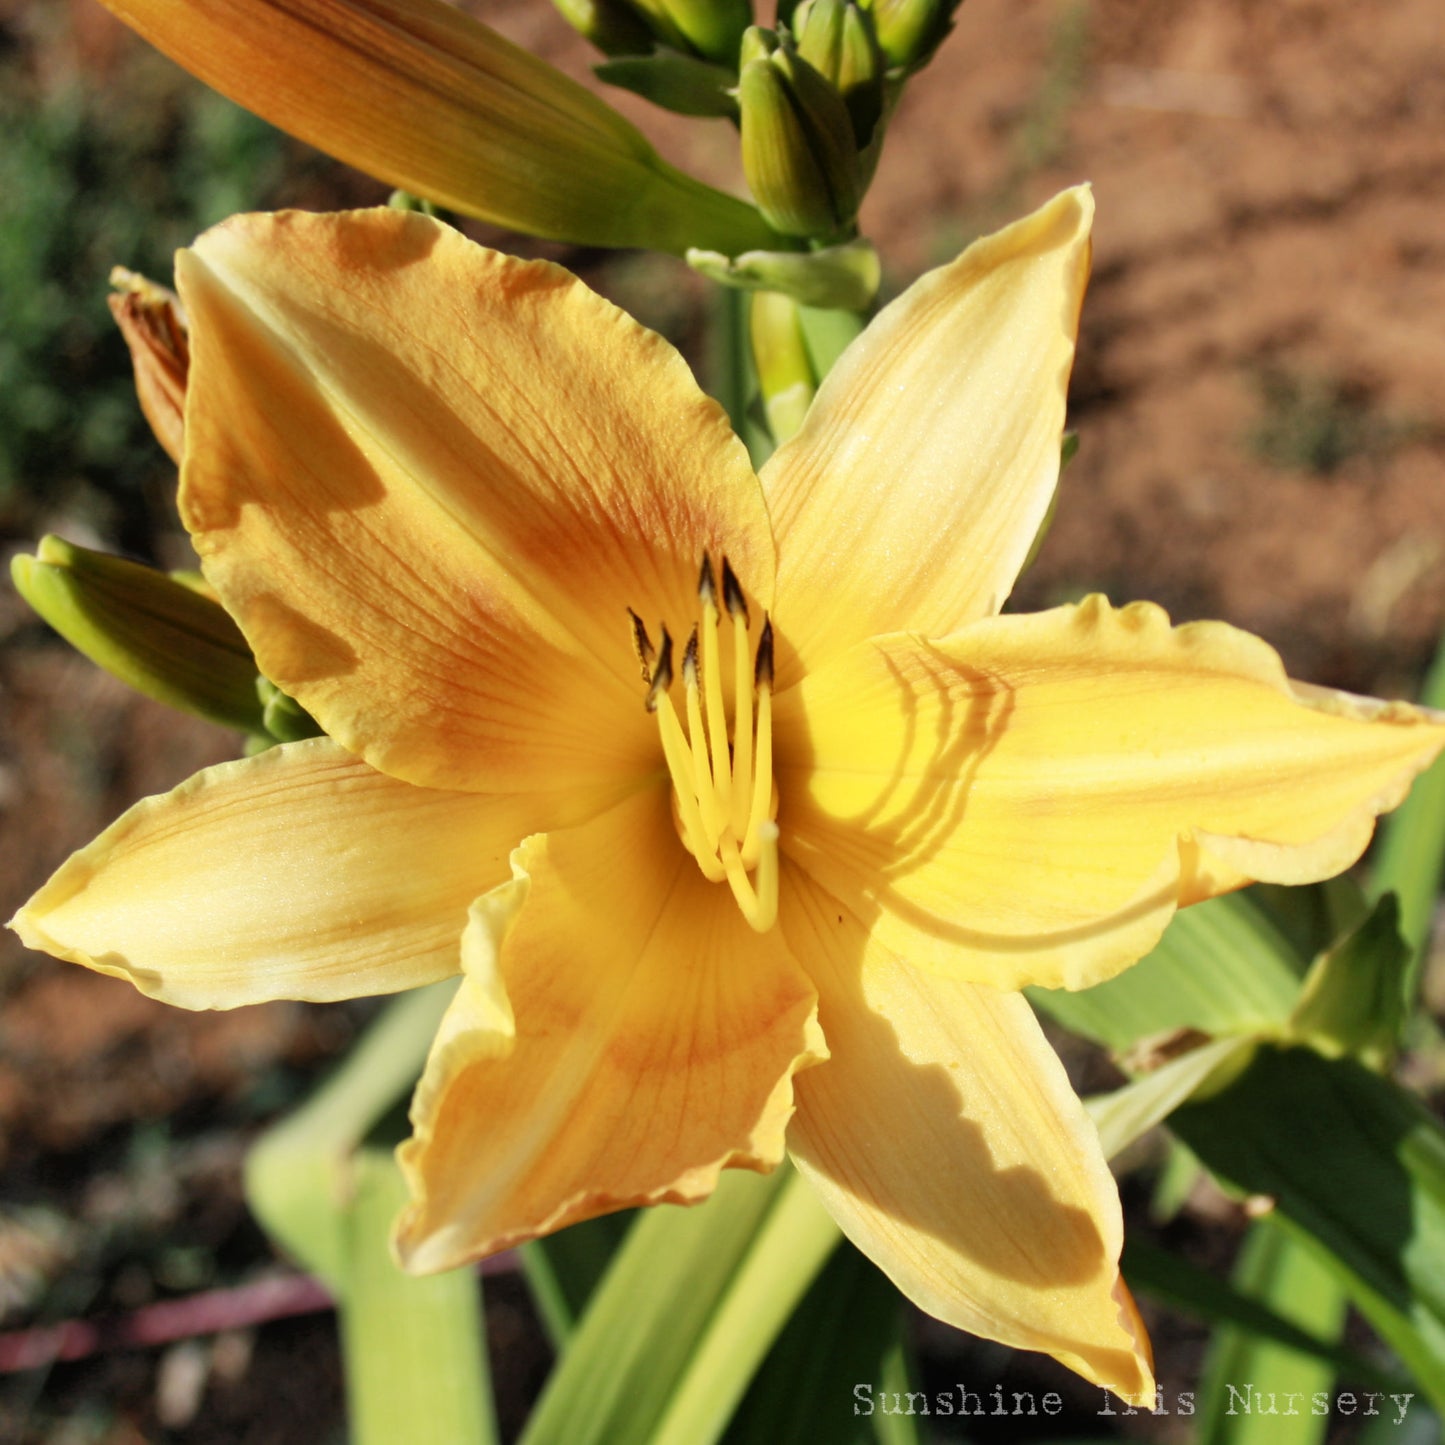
{"points": [[1270, 257]]}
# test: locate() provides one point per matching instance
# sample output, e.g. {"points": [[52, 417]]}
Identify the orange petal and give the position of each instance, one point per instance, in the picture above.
{"points": [[944, 1138], [429, 479], [1029, 800], [915, 488], [422, 95], [301, 873], [654, 1044]]}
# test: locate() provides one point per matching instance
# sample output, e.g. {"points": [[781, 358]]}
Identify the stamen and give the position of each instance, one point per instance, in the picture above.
{"points": [[679, 764], [742, 777], [707, 583], [733, 599], [759, 906], [761, 811], [763, 668], [712, 819], [662, 677], [717, 718], [642, 645], [724, 797]]}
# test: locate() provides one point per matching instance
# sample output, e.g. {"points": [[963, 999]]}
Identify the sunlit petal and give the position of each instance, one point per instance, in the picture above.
{"points": [[915, 488], [654, 1043], [420, 94], [1028, 800], [944, 1138], [302, 873], [428, 480]]}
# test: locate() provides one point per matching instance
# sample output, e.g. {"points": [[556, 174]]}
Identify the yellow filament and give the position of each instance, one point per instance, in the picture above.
{"points": [[717, 720], [679, 764], [712, 821], [759, 905], [742, 728], [762, 778]]}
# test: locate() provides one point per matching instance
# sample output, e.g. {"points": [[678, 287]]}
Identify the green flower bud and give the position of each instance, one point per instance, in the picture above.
{"points": [[835, 278], [909, 31], [798, 148], [613, 26], [780, 354], [712, 29], [154, 632], [285, 719], [836, 38], [676, 82]]}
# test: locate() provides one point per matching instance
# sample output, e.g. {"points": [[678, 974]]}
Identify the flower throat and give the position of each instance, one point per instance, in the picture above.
{"points": [[723, 797]]}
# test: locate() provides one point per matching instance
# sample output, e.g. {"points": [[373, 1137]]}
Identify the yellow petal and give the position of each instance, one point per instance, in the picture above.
{"points": [[944, 1138], [915, 488], [301, 873], [423, 96], [654, 1044], [1028, 800], [428, 480]]}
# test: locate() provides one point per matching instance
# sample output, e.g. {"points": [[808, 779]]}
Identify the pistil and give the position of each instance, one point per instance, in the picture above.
{"points": [[724, 795]]}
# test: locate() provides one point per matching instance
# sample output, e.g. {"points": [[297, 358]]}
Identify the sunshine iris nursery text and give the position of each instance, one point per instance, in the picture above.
{"points": [[1240, 1399]]}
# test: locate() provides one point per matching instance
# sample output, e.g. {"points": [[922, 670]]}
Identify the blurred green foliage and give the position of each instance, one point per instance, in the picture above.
{"points": [[95, 173]]}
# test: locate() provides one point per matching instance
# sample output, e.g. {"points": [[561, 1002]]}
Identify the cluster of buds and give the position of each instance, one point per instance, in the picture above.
{"points": [[811, 97], [162, 633]]}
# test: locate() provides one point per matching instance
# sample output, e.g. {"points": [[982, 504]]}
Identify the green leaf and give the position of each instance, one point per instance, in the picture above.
{"points": [[413, 1348], [1409, 857], [1353, 999], [1291, 1281], [564, 1269], [1222, 967], [687, 1311], [294, 1171], [1168, 1277], [1353, 1163], [847, 1330], [1127, 1113]]}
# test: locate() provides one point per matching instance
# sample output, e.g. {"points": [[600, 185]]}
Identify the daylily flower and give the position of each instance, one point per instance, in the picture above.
{"points": [[421, 95], [740, 809]]}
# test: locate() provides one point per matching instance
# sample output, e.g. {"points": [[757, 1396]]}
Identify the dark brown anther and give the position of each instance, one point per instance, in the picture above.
{"points": [[662, 673], [707, 583], [689, 660], [642, 645], [733, 598], [763, 667]]}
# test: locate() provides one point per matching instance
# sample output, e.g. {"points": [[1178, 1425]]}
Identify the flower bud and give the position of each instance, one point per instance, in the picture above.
{"points": [[613, 26], [153, 322], [680, 83], [836, 278], [285, 719], [171, 641], [798, 148], [909, 31], [836, 38], [431, 101], [780, 356], [712, 29]]}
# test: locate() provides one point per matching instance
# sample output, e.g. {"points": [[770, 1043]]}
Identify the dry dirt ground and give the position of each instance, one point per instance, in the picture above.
{"points": [[1261, 398]]}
